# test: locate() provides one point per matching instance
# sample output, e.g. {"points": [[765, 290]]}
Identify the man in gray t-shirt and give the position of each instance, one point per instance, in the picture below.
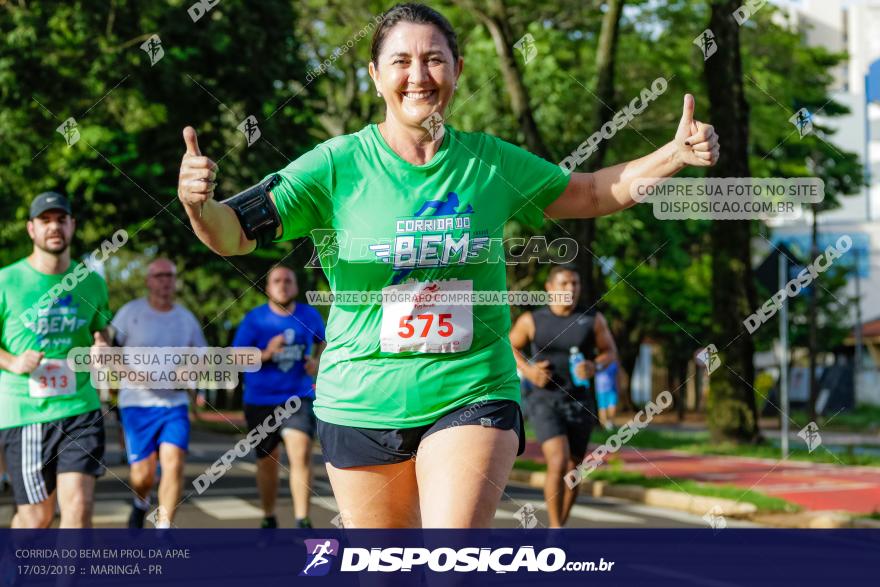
{"points": [[156, 421]]}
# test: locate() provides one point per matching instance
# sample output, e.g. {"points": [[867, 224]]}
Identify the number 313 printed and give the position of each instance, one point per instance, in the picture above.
{"points": [[54, 381]]}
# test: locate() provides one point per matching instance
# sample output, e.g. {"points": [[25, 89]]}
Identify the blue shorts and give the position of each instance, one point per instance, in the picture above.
{"points": [[606, 399], [606, 387], [148, 427]]}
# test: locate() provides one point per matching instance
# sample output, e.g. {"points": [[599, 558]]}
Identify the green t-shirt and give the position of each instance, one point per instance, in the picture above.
{"points": [[29, 320], [399, 226]]}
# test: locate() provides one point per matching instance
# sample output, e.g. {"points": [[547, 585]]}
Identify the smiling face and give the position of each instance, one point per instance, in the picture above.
{"points": [[415, 72], [51, 231]]}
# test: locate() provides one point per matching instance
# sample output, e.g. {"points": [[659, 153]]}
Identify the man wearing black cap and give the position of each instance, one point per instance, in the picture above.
{"points": [[50, 418]]}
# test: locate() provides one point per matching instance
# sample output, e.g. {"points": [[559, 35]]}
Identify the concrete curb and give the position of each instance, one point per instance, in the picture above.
{"points": [[530, 478], [701, 505], [807, 520], [865, 523], [694, 504]]}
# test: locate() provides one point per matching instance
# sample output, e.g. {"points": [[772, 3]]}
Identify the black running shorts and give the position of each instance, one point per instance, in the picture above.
{"points": [[349, 446], [37, 453]]}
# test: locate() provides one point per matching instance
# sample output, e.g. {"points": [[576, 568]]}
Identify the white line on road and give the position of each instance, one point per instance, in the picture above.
{"points": [[6, 513], [228, 508], [601, 515], [111, 512], [318, 484], [581, 512], [684, 516]]}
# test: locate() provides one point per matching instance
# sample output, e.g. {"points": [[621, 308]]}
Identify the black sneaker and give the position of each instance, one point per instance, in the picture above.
{"points": [[137, 517], [269, 522], [304, 523]]}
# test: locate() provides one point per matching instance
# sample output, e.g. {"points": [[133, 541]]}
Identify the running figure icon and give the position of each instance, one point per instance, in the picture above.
{"points": [[319, 552]]}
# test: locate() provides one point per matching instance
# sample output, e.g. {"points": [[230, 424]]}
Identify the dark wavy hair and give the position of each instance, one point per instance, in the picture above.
{"points": [[416, 14]]}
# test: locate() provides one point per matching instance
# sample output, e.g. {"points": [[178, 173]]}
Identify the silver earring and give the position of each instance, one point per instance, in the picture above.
{"points": [[378, 93]]}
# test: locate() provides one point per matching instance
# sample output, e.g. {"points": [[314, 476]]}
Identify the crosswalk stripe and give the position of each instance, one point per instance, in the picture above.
{"points": [[319, 485], [668, 514], [111, 511], [582, 512], [593, 514], [227, 508], [685, 517], [502, 514], [249, 467], [6, 513]]}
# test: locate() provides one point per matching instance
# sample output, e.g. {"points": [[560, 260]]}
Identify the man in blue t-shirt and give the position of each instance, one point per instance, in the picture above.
{"points": [[292, 338]]}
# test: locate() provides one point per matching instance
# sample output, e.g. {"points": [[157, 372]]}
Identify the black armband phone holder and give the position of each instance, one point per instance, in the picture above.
{"points": [[256, 212]]}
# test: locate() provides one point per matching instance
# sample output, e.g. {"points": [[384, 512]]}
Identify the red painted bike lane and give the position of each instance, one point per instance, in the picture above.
{"points": [[810, 485]]}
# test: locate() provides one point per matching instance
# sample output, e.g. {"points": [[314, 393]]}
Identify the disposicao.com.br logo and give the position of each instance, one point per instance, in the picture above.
{"points": [[441, 560]]}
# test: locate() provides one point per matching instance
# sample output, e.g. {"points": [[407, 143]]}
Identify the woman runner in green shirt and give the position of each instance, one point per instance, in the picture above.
{"points": [[418, 405]]}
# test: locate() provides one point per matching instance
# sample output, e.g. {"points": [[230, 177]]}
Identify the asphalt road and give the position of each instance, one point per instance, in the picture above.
{"points": [[233, 502]]}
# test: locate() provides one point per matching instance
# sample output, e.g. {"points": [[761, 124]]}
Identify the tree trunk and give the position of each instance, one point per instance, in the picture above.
{"points": [[732, 412], [495, 19], [681, 385], [584, 231]]}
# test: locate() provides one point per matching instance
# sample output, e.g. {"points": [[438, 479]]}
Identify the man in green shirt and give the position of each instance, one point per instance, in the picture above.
{"points": [[411, 365], [51, 425]]}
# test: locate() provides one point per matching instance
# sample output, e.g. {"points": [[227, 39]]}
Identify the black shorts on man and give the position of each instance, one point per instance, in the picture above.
{"points": [[554, 413], [302, 419], [37, 453]]}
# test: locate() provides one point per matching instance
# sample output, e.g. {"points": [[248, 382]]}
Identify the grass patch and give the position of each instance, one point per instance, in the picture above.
{"points": [[530, 465], [860, 419]]}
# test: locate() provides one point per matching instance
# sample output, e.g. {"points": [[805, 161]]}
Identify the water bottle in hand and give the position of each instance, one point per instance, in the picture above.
{"points": [[575, 358]]}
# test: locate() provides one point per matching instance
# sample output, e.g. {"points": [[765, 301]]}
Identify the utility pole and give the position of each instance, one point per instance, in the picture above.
{"points": [[857, 368], [783, 355]]}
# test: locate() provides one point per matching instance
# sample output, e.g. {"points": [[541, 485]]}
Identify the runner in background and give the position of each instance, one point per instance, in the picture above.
{"points": [[110, 407], [561, 412], [113, 408], [291, 335], [606, 394], [51, 426], [156, 421]]}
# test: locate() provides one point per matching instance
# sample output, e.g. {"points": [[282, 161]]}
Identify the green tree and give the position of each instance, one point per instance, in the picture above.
{"points": [[84, 61]]}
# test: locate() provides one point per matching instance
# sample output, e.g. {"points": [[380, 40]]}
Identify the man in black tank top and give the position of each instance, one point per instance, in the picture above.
{"points": [[561, 412]]}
